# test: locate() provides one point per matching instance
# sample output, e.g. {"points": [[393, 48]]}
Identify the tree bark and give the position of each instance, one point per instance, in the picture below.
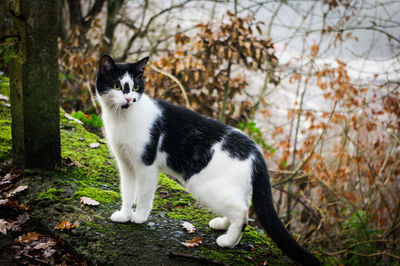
{"points": [[113, 9], [34, 85]]}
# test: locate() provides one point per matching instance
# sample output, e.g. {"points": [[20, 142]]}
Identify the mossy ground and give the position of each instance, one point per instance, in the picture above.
{"points": [[5, 126], [91, 172]]}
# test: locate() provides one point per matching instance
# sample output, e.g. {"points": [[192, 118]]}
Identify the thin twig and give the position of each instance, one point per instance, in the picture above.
{"points": [[174, 79], [92, 99]]}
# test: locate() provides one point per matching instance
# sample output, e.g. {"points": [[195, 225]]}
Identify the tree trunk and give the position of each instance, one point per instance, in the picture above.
{"points": [[113, 8], [34, 85]]}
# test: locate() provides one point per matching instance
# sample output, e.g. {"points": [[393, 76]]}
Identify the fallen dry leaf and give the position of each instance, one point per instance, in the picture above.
{"points": [[189, 227], [21, 219], [94, 145], [28, 238], [3, 226], [49, 252], [14, 204], [45, 245], [16, 225], [193, 243], [89, 201], [18, 190], [65, 225]]}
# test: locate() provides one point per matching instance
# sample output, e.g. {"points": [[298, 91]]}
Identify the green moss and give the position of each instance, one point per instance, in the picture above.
{"points": [[102, 196], [180, 205], [95, 226], [258, 250], [52, 194], [5, 123], [5, 140], [168, 183], [93, 167], [4, 85]]}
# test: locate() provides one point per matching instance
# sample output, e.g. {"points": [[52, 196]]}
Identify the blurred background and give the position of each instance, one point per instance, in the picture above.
{"points": [[314, 83]]}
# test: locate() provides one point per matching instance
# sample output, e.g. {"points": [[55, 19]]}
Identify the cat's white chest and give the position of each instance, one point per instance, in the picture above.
{"points": [[129, 134]]}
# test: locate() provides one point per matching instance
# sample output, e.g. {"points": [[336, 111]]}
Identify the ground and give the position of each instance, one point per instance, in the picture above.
{"points": [[53, 197]]}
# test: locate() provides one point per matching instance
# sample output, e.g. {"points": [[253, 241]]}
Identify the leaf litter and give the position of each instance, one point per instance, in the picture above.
{"points": [[35, 248], [65, 225], [89, 201], [193, 243], [189, 227], [31, 248]]}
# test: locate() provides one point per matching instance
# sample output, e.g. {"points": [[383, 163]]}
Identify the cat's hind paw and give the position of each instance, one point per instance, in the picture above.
{"points": [[121, 217], [225, 242]]}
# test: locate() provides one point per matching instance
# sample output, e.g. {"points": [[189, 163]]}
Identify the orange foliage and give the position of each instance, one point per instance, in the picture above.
{"points": [[204, 65]]}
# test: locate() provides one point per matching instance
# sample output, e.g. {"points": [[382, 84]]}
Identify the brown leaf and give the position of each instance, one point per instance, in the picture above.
{"points": [[22, 218], [89, 201], [18, 190], [193, 243], [45, 245], [14, 204], [49, 252], [28, 238], [23, 207], [189, 227], [65, 225], [3, 226]]}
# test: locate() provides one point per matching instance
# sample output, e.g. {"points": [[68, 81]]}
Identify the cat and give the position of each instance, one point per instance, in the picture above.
{"points": [[218, 164]]}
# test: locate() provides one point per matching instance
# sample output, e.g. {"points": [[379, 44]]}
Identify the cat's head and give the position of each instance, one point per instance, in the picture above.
{"points": [[120, 85]]}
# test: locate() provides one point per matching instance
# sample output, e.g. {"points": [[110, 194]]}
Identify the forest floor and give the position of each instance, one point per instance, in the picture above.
{"points": [[49, 218]]}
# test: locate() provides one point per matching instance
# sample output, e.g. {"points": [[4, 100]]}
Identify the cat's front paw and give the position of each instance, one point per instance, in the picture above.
{"points": [[225, 242], [138, 218], [121, 217], [219, 223]]}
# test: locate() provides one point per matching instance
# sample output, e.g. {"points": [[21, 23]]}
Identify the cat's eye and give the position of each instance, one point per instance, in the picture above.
{"points": [[117, 87], [136, 88]]}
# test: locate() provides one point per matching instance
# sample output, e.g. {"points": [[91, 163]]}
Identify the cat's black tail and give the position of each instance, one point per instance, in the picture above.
{"points": [[264, 208]]}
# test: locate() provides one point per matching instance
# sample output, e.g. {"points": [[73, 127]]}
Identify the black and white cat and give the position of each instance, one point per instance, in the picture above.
{"points": [[218, 164]]}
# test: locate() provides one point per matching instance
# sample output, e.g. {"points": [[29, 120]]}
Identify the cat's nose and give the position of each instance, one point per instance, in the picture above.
{"points": [[128, 99]]}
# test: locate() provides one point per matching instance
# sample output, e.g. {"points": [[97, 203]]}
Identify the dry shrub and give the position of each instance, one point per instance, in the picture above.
{"points": [[351, 155], [78, 58], [205, 63]]}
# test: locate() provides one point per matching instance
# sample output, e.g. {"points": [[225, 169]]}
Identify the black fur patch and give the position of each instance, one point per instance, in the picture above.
{"points": [[188, 138], [126, 88], [244, 227], [150, 150], [238, 145]]}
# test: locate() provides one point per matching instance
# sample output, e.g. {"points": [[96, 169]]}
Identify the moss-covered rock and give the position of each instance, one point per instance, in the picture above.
{"points": [[54, 197]]}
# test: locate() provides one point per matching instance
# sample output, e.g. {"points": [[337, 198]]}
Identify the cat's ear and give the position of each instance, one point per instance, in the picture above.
{"points": [[140, 65], [106, 63]]}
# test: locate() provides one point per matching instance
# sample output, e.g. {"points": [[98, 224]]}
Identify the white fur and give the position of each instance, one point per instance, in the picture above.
{"points": [[127, 78], [224, 185]]}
